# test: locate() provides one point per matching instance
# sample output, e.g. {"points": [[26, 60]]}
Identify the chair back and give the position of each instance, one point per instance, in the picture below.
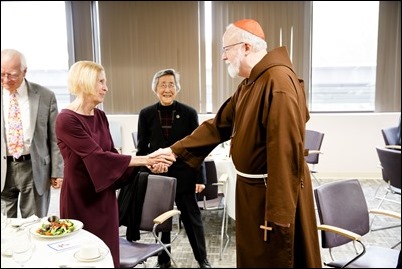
{"points": [[391, 166], [115, 131], [211, 189], [211, 199], [159, 198], [391, 135], [135, 138], [342, 204], [313, 141]]}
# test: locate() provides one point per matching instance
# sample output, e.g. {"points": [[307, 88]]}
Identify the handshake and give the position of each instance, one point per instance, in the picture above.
{"points": [[160, 160]]}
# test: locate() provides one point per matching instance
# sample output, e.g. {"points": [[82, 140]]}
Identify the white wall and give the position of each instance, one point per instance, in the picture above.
{"points": [[349, 142]]}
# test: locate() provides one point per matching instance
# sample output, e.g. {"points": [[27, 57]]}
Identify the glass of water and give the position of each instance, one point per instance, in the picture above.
{"points": [[4, 219], [23, 247]]}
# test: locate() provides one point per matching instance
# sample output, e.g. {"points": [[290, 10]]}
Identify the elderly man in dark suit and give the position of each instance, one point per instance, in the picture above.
{"points": [[27, 175]]}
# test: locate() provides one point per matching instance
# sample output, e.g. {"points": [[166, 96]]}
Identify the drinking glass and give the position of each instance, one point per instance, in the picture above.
{"points": [[4, 219], [5, 238], [22, 247]]}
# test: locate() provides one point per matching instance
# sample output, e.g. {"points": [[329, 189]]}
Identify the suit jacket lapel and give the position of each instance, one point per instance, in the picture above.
{"points": [[33, 104]]}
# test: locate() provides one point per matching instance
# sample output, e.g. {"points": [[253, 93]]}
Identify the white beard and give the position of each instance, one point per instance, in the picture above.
{"points": [[234, 69]]}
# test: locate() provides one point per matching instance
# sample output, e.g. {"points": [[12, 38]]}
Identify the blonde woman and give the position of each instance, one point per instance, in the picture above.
{"points": [[93, 168]]}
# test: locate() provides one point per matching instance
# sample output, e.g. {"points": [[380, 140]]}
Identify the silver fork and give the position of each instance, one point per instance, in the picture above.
{"points": [[22, 226]]}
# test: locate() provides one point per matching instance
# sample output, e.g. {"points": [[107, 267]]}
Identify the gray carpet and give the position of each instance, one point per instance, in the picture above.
{"points": [[184, 257]]}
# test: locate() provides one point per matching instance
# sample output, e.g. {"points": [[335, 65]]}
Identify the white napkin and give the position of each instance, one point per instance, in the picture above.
{"points": [[21, 221]]}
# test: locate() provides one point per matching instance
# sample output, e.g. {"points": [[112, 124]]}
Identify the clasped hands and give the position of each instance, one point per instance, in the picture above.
{"points": [[160, 160]]}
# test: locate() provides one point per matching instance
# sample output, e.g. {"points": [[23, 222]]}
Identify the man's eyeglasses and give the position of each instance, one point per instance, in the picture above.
{"points": [[13, 76], [226, 48], [165, 86]]}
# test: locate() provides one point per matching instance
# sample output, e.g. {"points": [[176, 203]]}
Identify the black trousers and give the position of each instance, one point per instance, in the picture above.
{"points": [[192, 222]]}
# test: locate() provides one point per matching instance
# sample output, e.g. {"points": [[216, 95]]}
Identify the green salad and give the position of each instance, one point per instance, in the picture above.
{"points": [[57, 227]]}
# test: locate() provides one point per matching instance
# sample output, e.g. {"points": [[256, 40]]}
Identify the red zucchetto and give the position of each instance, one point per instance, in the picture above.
{"points": [[250, 26]]}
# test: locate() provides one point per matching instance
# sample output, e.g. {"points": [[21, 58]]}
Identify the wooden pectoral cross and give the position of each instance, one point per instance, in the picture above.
{"points": [[266, 229]]}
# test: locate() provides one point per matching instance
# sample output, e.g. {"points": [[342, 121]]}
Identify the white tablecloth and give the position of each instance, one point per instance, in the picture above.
{"points": [[224, 164], [46, 257]]}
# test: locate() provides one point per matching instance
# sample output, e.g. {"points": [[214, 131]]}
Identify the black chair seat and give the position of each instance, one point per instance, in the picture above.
{"points": [[389, 259], [213, 204], [130, 258]]}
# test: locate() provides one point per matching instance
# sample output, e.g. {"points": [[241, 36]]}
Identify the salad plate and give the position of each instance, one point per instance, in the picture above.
{"points": [[78, 225]]}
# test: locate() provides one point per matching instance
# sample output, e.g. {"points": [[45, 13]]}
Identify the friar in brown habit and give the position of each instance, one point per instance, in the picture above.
{"points": [[265, 120]]}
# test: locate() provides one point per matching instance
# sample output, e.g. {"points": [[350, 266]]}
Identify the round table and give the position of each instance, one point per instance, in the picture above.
{"points": [[56, 252]]}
